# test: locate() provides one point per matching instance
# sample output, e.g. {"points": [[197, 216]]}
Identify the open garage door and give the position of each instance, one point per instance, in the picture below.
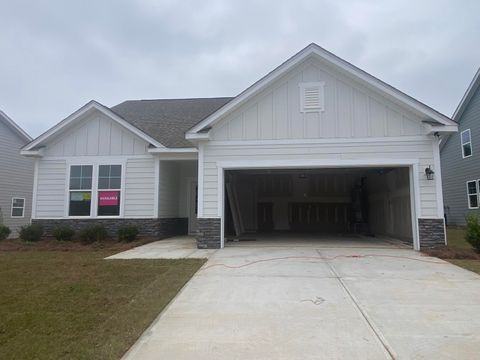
{"points": [[371, 202]]}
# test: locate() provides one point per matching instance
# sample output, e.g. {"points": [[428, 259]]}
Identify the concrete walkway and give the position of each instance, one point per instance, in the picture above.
{"points": [[315, 300]]}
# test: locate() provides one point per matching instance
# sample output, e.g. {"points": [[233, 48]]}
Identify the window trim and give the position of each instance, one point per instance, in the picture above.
{"points": [[95, 163], [466, 143], [120, 190], [79, 190], [18, 207], [477, 183]]}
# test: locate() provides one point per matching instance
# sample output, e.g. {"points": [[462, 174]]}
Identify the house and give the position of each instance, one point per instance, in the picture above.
{"points": [[16, 176], [317, 145], [460, 159]]}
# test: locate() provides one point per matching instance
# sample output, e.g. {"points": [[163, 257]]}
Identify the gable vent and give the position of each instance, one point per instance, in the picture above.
{"points": [[312, 96]]}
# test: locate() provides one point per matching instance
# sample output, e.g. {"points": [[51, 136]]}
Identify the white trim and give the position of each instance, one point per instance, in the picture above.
{"points": [[438, 176], [312, 163], [156, 190], [18, 207], [33, 153], [412, 164], [172, 150], [201, 159], [432, 129], [476, 193], [462, 144], [82, 111], [415, 204], [35, 187], [313, 50], [387, 140], [15, 126], [95, 162], [177, 156], [197, 136]]}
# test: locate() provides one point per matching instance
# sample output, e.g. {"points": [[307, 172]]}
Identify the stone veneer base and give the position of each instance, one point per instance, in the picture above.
{"points": [[431, 232], [156, 228], [208, 233]]}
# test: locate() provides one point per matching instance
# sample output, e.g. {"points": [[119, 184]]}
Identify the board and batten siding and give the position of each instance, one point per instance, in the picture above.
{"points": [[357, 124], [456, 170], [97, 135], [96, 140], [420, 150], [351, 111], [16, 178]]}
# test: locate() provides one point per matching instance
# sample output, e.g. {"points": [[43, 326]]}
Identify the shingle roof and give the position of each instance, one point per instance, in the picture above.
{"points": [[167, 120]]}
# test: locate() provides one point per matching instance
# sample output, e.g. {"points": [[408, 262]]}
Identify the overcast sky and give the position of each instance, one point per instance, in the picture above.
{"points": [[57, 55]]}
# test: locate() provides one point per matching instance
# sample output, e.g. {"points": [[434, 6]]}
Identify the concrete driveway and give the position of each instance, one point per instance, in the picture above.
{"points": [[317, 300]]}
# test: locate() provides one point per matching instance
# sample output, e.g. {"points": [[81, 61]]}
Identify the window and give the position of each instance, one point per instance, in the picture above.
{"points": [[80, 190], [18, 207], [312, 96], [109, 188], [472, 193], [466, 138]]}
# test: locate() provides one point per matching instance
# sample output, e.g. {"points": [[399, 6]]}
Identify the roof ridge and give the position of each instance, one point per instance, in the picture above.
{"points": [[170, 99]]}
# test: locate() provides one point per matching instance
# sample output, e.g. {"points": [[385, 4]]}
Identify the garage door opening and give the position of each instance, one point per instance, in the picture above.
{"points": [[372, 202]]}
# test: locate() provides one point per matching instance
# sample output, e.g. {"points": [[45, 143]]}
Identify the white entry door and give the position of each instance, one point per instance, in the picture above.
{"points": [[193, 200]]}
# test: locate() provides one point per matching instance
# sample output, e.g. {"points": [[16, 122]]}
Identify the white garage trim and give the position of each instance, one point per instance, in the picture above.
{"points": [[412, 164]]}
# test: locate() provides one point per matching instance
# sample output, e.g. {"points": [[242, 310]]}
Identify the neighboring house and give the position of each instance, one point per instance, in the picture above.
{"points": [[16, 176], [460, 158], [317, 145]]}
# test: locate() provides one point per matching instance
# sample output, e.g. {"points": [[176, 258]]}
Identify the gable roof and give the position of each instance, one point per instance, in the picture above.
{"points": [[467, 97], [14, 126], [167, 120], [313, 50], [30, 149]]}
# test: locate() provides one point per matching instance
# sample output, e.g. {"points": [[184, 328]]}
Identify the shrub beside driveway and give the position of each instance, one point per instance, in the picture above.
{"points": [[76, 305]]}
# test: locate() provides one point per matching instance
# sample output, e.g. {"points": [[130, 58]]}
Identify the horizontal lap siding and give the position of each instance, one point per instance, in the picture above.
{"points": [[51, 187], [420, 150], [139, 188]]}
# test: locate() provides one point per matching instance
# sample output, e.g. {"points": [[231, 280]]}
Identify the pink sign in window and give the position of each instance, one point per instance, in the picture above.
{"points": [[108, 198]]}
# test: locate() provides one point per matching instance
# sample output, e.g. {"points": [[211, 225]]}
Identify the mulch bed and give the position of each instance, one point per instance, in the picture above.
{"points": [[50, 244], [446, 252]]}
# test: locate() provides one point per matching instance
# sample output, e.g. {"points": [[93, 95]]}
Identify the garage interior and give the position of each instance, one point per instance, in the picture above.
{"points": [[346, 202]]}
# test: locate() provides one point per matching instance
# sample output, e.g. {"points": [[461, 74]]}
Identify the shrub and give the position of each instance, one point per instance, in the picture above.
{"points": [[31, 233], [63, 233], [4, 232], [472, 233], [127, 233], [92, 233]]}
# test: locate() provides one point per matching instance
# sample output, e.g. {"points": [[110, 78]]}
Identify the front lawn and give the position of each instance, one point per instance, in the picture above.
{"points": [[76, 305]]}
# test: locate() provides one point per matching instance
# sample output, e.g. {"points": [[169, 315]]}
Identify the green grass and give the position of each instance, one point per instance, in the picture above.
{"points": [[75, 305], [472, 265], [456, 240]]}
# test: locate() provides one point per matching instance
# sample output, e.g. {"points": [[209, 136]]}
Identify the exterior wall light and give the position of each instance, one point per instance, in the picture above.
{"points": [[429, 173]]}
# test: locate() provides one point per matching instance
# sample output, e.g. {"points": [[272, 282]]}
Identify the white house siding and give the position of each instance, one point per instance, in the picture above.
{"points": [[96, 140], [51, 188], [140, 188], [351, 111], [417, 149], [16, 178]]}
